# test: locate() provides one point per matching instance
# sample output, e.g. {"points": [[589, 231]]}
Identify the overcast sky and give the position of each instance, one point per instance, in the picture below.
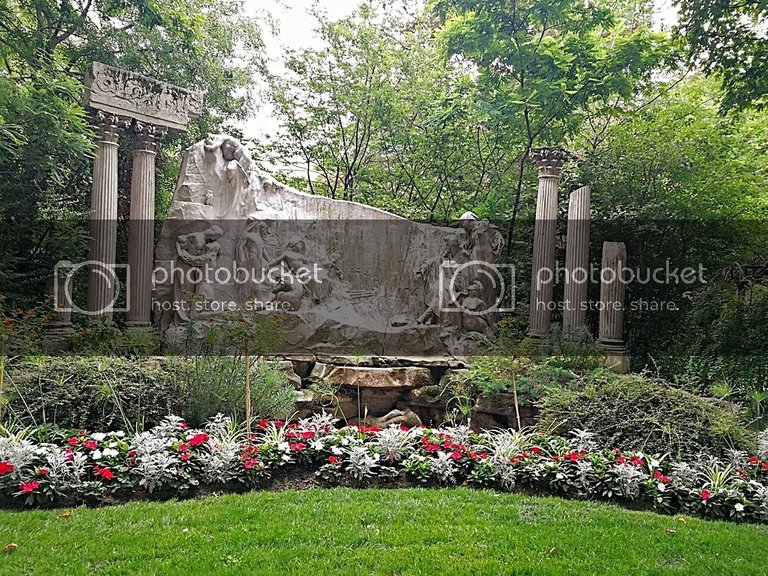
{"points": [[296, 30]]}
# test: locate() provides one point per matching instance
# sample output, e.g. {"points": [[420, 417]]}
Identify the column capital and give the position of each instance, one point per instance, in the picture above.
{"points": [[549, 160], [148, 136], [109, 126]]}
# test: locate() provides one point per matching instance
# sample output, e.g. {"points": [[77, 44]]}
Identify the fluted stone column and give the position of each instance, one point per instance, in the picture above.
{"points": [[141, 229], [577, 260], [549, 162], [612, 294], [103, 222]]}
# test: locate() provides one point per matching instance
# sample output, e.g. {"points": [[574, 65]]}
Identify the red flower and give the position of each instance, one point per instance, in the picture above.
{"points": [[105, 473], [42, 472], [635, 460], [297, 446], [250, 463], [573, 457], [742, 473], [90, 444], [279, 423], [198, 439], [184, 426], [536, 450], [264, 423], [132, 454], [432, 448], [6, 468], [334, 460], [72, 441], [657, 475], [753, 460], [456, 455], [404, 428], [308, 435], [447, 445], [665, 479], [621, 460], [369, 429], [30, 487], [186, 456], [764, 465], [69, 455], [706, 495], [183, 447]]}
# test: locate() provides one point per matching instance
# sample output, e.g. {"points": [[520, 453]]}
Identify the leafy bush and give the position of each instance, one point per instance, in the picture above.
{"points": [[215, 384], [642, 414], [173, 460], [721, 349], [93, 392]]}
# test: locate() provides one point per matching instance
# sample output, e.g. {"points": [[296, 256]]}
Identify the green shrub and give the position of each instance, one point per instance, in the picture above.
{"points": [[92, 392], [213, 384], [638, 413]]}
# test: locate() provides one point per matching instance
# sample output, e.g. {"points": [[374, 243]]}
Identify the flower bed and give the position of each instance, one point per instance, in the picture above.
{"points": [[173, 461]]}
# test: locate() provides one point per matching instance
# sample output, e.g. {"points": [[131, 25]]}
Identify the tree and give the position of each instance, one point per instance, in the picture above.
{"points": [[541, 64], [726, 38], [45, 45]]}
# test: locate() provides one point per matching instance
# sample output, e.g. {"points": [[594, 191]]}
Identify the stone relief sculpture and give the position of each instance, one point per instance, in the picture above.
{"points": [[347, 278]]}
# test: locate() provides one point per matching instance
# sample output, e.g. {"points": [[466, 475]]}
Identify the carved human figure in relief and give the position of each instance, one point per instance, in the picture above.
{"points": [[200, 251], [473, 318]]}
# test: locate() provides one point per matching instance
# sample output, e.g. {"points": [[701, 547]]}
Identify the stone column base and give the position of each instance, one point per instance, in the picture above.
{"points": [[617, 359]]}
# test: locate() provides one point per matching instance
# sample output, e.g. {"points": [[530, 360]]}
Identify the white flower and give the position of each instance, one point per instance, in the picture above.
{"points": [[284, 447], [655, 463], [120, 434], [345, 441], [337, 451], [99, 436], [96, 455], [112, 444], [560, 476], [661, 486], [110, 453], [739, 507], [317, 445]]}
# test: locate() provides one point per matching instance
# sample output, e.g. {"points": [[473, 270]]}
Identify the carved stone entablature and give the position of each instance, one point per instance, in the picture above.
{"points": [[549, 161], [147, 136], [109, 126], [149, 101]]}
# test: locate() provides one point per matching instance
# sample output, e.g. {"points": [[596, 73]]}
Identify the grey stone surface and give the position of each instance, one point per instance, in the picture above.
{"points": [[549, 162], [378, 279], [125, 93]]}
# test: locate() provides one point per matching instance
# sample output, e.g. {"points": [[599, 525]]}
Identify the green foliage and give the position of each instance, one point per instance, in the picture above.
{"points": [[721, 348], [639, 413], [46, 150], [95, 393], [214, 384], [727, 39]]}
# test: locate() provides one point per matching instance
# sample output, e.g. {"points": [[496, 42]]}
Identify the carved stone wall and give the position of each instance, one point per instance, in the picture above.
{"points": [[380, 284]]}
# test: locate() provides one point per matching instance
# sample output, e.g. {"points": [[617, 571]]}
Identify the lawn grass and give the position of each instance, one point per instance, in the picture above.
{"points": [[344, 531]]}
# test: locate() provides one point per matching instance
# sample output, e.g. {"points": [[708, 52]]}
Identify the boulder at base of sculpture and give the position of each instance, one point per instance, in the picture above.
{"points": [[340, 277]]}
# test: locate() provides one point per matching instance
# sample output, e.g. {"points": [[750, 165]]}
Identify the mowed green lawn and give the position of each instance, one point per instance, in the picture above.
{"points": [[342, 531]]}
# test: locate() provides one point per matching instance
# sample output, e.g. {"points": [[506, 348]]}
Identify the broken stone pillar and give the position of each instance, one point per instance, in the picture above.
{"points": [[103, 222], [549, 162], [612, 293], [141, 231], [115, 94], [577, 261]]}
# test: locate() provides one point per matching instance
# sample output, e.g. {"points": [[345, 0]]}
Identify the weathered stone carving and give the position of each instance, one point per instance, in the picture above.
{"points": [[126, 93], [345, 278]]}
